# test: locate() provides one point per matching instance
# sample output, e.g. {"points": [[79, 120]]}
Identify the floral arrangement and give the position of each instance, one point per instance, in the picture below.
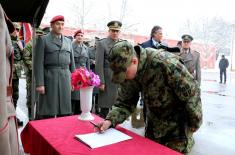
{"points": [[81, 77]]}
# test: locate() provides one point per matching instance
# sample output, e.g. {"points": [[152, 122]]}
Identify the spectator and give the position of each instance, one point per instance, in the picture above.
{"points": [[223, 65]]}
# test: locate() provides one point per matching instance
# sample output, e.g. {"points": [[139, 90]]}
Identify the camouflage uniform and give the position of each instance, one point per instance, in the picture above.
{"points": [[27, 58], [17, 68], [171, 95]]}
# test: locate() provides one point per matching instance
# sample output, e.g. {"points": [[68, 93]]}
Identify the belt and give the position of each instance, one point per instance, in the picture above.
{"points": [[57, 67], [9, 91]]}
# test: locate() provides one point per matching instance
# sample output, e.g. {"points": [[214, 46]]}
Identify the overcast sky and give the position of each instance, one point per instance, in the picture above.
{"points": [[140, 15]]}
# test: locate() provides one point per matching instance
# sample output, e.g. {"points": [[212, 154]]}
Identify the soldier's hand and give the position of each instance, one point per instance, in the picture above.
{"points": [[102, 87], [102, 126], [41, 89]]}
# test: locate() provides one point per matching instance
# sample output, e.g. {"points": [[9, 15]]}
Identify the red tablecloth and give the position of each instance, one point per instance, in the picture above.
{"points": [[56, 137]]}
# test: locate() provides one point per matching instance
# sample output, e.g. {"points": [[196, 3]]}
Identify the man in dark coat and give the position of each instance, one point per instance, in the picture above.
{"points": [[223, 65], [107, 90], [155, 40], [54, 62]]}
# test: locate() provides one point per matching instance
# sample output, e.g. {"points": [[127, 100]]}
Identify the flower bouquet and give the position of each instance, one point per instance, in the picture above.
{"points": [[84, 80], [81, 78]]}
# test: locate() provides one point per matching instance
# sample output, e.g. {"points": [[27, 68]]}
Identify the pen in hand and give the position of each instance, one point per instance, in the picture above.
{"points": [[96, 126], [102, 126]]}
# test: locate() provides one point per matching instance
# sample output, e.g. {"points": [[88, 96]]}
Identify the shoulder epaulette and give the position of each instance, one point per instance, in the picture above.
{"points": [[101, 39], [196, 51]]}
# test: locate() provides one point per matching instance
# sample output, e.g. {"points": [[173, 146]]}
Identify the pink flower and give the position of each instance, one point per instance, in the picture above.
{"points": [[81, 77]]}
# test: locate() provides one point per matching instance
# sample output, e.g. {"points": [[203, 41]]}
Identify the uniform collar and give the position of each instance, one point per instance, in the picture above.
{"points": [[155, 43], [186, 51], [113, 40], [54, 36], [142, 60]]}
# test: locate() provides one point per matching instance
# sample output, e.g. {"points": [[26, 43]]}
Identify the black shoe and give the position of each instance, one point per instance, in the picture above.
{"points": [[220, 82], [19, 122]]}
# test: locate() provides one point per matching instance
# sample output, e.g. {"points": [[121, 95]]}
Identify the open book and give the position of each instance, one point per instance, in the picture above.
{"points": [[97, 139]]}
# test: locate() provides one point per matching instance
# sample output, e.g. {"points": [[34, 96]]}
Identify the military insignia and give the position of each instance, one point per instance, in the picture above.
{"points": [[115, 24]]}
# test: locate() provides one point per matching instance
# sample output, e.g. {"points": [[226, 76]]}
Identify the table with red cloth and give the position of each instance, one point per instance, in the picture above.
{"points": [[57, 137]]}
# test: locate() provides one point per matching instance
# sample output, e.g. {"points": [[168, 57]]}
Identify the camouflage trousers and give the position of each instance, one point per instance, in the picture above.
{"points": [[15, 86], [15, 81], [184, 146], [29, 91]]}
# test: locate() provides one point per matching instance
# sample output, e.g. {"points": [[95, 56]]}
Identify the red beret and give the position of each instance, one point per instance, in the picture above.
{"points": [[77, 32], [57, 18]]}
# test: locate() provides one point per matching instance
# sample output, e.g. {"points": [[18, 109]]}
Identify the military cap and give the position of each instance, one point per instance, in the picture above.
{"points": [[120, 57], [57, 18], [39, 31], [46, 30], [114, 25], [187, 37], [79, 31], [17, 25]]}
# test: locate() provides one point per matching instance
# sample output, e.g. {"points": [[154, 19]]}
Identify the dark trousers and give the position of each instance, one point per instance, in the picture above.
{"points": [[15, 96], [76, 109], [223, 72], [39, 117]]}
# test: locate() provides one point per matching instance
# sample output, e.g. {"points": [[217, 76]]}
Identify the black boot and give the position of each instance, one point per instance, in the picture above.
{"points": [[19, 122]]}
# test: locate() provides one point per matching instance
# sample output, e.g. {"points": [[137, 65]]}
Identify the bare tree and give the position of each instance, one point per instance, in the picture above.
{"points": [[82, 10], [123, 10]]}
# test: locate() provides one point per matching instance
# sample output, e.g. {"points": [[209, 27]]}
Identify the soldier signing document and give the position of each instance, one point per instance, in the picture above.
{"points": [[171, 95]]}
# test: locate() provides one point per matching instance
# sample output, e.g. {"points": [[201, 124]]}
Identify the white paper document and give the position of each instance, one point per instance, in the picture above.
{"points": [[97, 139]]}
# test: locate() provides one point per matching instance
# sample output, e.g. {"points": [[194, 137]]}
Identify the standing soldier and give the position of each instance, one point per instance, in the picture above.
{"points": [[18, 65], [190, 57], [54, 63], [81, 59], [171, 95], [27, 59], [107, 90]]}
